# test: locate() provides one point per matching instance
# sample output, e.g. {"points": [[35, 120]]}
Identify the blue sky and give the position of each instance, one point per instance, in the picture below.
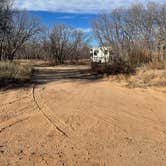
{"points": [[76, 20], [76, 13]]}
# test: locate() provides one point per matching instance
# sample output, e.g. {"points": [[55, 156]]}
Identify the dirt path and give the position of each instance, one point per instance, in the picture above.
{"points": [[70, 118]]}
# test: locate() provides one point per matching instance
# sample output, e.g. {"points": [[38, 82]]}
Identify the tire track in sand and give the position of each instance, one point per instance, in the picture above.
{"points": [[46, 115]]}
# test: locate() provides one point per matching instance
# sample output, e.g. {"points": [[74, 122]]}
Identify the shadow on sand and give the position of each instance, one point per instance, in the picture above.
{"points": [[45, 75]]}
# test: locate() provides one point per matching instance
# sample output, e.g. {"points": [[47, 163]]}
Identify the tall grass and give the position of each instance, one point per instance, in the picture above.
{"points": [[11, 72]]}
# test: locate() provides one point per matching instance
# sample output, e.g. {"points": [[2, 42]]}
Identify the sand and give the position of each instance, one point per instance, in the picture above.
{"points": [[69, 118]]}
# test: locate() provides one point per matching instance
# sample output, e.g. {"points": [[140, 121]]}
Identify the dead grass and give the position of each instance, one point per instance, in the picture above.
{"points": [[152, 74], [157, 65], [14, 72], [143, 78], [147, 78]]}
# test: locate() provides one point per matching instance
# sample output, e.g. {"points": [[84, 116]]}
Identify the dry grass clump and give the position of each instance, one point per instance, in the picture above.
{"points": [[146, 78], [11, 72], [152, 74], [157, 65]]}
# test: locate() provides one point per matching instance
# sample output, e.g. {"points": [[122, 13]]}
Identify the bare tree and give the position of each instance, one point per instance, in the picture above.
{"points": [[23, 30], [65, 43], [22, 36], [135, 32], [5, 22]]}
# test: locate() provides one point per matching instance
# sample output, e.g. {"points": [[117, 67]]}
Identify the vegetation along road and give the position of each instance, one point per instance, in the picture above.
{"points": [[69, 117]]}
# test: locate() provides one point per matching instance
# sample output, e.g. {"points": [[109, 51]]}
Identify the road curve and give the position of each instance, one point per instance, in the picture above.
{"points": [[70, 117]]}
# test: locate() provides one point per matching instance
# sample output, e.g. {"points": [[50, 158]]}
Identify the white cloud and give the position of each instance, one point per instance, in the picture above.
{"points": [[74, 6], [65, 17], [85, 30]]}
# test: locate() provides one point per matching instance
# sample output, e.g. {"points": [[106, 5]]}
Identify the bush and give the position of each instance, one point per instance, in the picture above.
{"points": [[11, 72], [117, 66], [121, 65]]}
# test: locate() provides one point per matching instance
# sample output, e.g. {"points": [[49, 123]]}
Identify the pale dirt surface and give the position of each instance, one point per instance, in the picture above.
{"points": [[69, 118]]}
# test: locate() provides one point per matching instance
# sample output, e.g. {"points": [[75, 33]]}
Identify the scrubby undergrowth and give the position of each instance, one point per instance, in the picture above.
{"points": [[144, 77], [115, 68], [14, 72], [147, 78]]}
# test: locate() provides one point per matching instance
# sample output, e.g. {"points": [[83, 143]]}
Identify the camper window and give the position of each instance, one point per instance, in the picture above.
{"points": [[96, 52], [106, 52]]}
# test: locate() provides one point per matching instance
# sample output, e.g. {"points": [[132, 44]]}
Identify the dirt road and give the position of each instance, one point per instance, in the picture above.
{"points": [[69, 117]]}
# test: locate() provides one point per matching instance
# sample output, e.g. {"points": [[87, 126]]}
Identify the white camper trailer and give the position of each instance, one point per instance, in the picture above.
{"points": [[100, 55]]}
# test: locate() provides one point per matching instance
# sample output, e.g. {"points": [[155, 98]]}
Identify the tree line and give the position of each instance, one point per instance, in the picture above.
{"points": [[22, 36], [137, 33]]}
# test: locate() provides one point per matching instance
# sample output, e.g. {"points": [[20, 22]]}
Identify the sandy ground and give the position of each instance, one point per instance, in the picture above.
{"points": [[68, 117]]}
